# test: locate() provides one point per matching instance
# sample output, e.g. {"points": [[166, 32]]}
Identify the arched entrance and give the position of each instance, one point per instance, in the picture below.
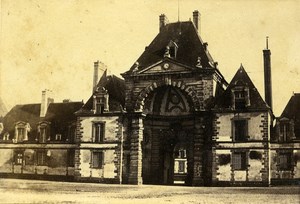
{"points": [[168, 137]]}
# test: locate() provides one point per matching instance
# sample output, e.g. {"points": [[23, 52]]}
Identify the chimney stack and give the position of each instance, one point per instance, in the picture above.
{"points": [[46, 100], [98, 67], [163, 20], [196, 19], [96, 75], [267, 74]]}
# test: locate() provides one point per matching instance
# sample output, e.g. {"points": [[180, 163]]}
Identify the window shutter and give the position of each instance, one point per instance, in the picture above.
{"points": [[102, 129]]}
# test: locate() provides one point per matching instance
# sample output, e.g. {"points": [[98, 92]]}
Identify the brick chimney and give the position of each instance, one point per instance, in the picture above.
{"points": [[46, 100], [267, 74], [163, 21], [196, 19]]}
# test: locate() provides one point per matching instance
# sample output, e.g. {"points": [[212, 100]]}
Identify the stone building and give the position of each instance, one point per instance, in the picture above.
{"points": [[173, 119], [37, 140]]}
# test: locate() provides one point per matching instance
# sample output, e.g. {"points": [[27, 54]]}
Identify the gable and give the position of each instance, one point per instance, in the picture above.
{"points": [[165, 66]]}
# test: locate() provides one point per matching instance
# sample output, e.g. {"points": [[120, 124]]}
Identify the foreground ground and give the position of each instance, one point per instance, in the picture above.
{"points": [[34, 191]]}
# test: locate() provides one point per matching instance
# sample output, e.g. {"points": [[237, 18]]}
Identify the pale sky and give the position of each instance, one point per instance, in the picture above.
{"points": [[52, 44]]}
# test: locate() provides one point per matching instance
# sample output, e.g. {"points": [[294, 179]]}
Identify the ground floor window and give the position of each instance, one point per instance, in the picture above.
{"points": [[71, 157], [19, 155], [97, 159], [285, 161], [239, 161], [41, 158]]}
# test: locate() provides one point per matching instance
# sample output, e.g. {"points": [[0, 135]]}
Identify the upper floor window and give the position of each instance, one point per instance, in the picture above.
{"points": [[43, 132], [239, 161], [240, 130], [284, 131], [240, 95], [98, 132], [21, 131], [100, 101], [72, 133], [285, 161]]}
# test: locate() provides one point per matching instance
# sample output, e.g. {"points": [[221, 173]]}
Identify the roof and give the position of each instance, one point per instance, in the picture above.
{"points": [[61, 113], [116, 90], [256, 101], [186, 37], [292, 111]]}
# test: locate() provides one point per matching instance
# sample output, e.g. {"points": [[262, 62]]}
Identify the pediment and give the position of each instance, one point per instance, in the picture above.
{"points": [[165, 66]]}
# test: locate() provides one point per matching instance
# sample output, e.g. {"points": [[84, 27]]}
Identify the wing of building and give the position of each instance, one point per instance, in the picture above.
{"points": [[173, 119]]}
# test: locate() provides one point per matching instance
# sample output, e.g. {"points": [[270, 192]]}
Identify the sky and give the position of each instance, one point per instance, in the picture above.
{"points": [[53, 44]]}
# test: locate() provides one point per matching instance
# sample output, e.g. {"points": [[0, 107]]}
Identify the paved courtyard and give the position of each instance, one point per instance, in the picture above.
{"points": [[36, 191]]}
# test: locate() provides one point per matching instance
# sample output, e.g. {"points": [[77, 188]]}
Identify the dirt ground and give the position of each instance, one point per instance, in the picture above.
{"points": [[35, 191]]}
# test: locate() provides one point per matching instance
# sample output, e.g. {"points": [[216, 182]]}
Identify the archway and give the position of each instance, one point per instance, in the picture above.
{"points": [[168, 137]]}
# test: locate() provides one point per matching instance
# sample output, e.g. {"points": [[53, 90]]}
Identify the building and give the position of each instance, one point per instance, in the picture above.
{"points": [[38, 140], [174, 119], [241, 135], [285, 144]]}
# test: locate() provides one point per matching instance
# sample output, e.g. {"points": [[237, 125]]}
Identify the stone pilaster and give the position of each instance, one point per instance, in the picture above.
{"points": [[135, 169], [198, 152]]}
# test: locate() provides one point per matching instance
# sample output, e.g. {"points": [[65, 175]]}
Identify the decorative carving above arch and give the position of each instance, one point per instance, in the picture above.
{"points": [[140, 102]]}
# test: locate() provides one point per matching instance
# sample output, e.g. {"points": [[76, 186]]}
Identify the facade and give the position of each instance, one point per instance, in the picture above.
{"points": [[285, 144], [173, 119], [37, 140], [241, 135]]}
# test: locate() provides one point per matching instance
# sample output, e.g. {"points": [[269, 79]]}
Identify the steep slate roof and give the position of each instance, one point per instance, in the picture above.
{"points": [[292, 111], [256, 101], [61, 113], [116, 90], [190, 46]]}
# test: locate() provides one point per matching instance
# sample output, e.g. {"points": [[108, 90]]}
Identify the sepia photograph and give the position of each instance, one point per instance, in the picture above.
{"points": [[153, 101]]}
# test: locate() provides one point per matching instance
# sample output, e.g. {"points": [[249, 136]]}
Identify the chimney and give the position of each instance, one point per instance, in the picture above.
{"points": [[196, 19], [267, 74], [98, 68], [163, 20], [46, 100], [96, 75]]}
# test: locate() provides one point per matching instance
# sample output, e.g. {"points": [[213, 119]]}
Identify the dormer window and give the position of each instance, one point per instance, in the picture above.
{"points": [[43, 132], [171, 50], [101, 101], [285, 129], [21, 131], [240, 95]]}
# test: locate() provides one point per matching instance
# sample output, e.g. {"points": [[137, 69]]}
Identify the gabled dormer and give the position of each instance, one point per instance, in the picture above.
{"points": [[100, 100], [241, 95], [21, 131]]}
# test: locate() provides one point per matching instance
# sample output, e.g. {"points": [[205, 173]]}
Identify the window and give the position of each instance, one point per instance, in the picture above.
{"points": [[41, 158], [58, 137], [284, 131], [181, 166], [240, 102], [19, 157], [43, 134], [285, 161], [99, 105], [182, 153], [21, 133], [98, 132], [71, 157], [97, 159], [239, 161], [72, 133], [240, 130]]}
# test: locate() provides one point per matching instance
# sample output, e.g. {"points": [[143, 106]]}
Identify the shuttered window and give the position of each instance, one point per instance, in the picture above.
{"points": [[240, 130], [285, 161], [97, 159], [239, 161]]}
